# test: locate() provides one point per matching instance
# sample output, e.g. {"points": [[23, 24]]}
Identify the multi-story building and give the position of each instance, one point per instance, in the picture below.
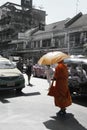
{"points": [[20, 34], [69, 36], [16, 18]]}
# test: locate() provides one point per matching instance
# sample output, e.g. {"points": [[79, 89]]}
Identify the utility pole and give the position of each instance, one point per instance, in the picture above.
{"points": [[77, 4]]}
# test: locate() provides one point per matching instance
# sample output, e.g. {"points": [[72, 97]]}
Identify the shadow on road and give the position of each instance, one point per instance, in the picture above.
{"points": [[67, 122], [81, 100], [4, 95]]}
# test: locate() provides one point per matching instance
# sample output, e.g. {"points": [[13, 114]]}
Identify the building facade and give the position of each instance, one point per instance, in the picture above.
{"points": [[16, 18], [20, 34], [69, 36]]}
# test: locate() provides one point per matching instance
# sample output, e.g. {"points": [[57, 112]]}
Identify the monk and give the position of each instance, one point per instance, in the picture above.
{"points": [[62, 96]]}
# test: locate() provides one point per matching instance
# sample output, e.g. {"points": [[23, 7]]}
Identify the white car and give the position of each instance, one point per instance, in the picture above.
{"points": [[77, 81], [10, 76]]}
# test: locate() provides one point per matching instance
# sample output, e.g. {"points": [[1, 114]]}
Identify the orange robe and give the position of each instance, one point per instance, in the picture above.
{"points": [[62, 96]]}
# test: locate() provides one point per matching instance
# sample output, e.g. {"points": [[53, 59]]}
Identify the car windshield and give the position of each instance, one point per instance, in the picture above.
{"points": [[6, 65]]}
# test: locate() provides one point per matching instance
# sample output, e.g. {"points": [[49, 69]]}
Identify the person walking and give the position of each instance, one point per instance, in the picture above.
{"points": [[20, 65], [29, 71], [49, 74], [62, 97]]}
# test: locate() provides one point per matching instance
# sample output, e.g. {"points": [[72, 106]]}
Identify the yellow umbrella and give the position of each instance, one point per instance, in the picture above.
{"points": [[52, 58]]}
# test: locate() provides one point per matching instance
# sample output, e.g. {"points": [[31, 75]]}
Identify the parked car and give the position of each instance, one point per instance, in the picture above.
{"points": [[78, 77], [39, 71], [10, 76]]}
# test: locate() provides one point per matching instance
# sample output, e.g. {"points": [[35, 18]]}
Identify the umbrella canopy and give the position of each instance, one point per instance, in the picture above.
{"points": [[52, 58]]}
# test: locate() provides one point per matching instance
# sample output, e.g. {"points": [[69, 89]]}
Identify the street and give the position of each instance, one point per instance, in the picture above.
{"points": [[34, 110]]}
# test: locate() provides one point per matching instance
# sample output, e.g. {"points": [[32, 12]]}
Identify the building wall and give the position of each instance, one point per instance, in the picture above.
{"points": [[55, 37], [71, 42], [14, 19]]}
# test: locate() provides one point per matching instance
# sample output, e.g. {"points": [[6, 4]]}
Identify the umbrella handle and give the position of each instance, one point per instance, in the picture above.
{"points": [[53, 78]]}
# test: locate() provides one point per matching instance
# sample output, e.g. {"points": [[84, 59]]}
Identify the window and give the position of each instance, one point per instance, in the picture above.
{"points": [[46, 43], [59, 41], [75, 39], [36, 44]]}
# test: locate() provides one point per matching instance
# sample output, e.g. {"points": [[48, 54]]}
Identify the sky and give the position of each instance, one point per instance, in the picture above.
{"points": [[57, 10]]}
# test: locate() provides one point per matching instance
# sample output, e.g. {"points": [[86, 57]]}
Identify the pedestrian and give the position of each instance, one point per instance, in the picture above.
{"points": [[82, 73], [49, 74], [73, 70], [20, 65], [62, 97], [29, 71]]}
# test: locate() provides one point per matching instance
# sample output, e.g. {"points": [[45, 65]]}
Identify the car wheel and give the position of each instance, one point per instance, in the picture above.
{"points": [[18, 90]]}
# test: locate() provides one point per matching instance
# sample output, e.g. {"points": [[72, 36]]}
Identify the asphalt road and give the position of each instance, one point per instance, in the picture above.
{"points": [[34, 110]]}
